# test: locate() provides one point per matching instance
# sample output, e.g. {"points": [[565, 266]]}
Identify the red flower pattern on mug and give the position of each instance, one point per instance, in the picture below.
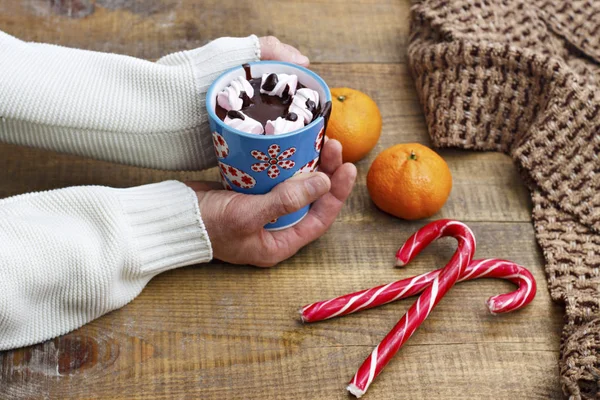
{"points": [[319, 140], [311, 166], [236, 177], [221, 147], [273, 160], [226, 184]]}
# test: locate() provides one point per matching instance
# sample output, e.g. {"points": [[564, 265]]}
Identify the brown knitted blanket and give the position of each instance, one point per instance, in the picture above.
{"points": [[523, 77]]}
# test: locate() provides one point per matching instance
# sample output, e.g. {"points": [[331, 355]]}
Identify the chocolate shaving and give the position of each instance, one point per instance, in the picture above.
{"points": [[270, 83], [311, 106], [245, 99], [286, 97], [233, 114]]}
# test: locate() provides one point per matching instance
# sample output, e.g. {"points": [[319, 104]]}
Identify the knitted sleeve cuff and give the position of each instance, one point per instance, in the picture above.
{"points": [[206, 64], [166, 226], [216, 57]]}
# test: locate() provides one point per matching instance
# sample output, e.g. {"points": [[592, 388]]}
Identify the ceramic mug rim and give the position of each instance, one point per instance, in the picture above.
{"points": [[210, 94]]}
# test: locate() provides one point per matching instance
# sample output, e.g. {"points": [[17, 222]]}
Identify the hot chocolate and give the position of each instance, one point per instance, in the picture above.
{"points": [[272, 104]]}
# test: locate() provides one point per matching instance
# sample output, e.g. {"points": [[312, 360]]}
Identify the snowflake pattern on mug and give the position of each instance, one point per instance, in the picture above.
{"points": [[237, 177], [221, 147], [273, 161], [309, 167], [319, 140]]}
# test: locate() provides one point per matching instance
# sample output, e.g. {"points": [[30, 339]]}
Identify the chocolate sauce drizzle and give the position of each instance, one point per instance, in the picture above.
{"points": [[263, 107], [326, 113], [248, 71]]}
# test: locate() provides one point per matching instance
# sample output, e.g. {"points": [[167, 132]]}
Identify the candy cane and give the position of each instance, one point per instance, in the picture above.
{"points": [[421, 309], [497, 304], [377, 296]]}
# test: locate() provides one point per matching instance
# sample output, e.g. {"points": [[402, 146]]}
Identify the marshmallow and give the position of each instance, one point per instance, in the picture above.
{"points": [[305, 104], [276, 84], [229, 98], [284, 125], [240, 121]]}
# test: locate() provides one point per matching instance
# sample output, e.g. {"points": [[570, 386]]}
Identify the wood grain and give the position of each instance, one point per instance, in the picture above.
{"points": [[219, 331], [325, 30]]}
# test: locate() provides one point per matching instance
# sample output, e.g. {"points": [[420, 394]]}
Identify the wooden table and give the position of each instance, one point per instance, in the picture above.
{"points": [[219, 331]]}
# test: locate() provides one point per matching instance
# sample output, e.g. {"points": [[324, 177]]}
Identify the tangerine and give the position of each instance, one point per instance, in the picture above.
{"points": [[355, 122], [409, 181]]}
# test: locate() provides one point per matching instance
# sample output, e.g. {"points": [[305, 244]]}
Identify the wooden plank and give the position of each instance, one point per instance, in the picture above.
{"points": [[325, 30], [220, 331], [487, 186]]}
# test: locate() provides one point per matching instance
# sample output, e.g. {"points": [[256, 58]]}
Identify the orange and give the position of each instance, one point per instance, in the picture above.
{"points": [[355, 122], [410, 181]]}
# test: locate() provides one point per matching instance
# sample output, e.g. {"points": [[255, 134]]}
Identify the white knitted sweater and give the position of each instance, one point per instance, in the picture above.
{"points": [[71, 255]]}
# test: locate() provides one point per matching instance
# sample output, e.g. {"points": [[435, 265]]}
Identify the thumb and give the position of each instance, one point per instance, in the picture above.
{"points": [[291, 195]]}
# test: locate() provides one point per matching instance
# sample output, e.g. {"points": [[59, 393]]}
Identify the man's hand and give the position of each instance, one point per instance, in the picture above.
{"points": [[272, 49], [235, 221]]}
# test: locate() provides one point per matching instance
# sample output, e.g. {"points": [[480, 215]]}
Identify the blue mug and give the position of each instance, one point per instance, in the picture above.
{"points": [[254, 164]]}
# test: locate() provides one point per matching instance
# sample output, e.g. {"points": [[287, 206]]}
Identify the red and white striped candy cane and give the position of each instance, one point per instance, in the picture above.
{"points": [[421, 309], [490, 268]]}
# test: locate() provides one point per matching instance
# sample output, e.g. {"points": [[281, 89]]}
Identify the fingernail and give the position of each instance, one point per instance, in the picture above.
{"points": [[316, 185], [300, 59]]}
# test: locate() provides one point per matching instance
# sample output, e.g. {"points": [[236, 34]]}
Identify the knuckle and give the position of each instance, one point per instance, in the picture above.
{"points": [[290, 201], [272, 40]]}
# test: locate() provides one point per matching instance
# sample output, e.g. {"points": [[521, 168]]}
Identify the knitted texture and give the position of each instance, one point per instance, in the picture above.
{"points": [[522, 77], [114, 107], [71, 255]]}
